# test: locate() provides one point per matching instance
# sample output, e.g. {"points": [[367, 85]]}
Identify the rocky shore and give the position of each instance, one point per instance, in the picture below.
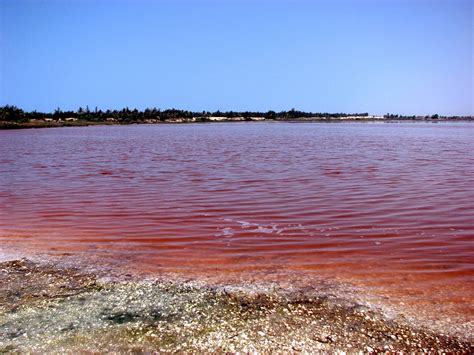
{"points": [[45, 308]]}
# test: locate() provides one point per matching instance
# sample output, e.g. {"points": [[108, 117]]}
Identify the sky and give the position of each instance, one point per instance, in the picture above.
{"points": [[376, 56]]}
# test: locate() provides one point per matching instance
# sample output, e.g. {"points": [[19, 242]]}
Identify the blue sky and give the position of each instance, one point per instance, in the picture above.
{"points": [[377, 56]]}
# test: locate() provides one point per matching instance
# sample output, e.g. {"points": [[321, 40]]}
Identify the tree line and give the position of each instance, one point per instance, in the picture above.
{"points": [[11, 113]]}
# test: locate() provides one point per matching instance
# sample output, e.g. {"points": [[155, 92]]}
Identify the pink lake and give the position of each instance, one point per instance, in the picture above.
{"points": [[386, 206]]}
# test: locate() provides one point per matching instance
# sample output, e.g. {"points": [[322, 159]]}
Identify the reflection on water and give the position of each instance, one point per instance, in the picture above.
{"points": [[382, 205]]}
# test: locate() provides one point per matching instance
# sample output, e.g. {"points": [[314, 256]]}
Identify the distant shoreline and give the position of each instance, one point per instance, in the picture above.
{"points": [[7, 125], [12, 117]]}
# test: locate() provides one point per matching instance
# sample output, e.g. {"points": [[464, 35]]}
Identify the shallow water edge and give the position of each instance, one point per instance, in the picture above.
{"points": [[48, 307]]}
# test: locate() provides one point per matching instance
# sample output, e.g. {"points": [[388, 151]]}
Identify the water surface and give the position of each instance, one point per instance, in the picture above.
{"points": [[388, 206]]}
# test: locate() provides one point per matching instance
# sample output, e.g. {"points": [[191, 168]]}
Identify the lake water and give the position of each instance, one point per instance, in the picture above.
{"points": [[386, 206]]}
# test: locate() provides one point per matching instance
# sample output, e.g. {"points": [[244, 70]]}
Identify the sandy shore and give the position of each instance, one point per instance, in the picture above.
{"points": [[46, 308]]}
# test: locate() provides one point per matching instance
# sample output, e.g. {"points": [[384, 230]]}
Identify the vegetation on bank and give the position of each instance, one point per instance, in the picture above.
{"points": [[14, 117]]}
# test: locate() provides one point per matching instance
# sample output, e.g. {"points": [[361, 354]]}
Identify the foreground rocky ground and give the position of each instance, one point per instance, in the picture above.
{"points": [[48, 309]]}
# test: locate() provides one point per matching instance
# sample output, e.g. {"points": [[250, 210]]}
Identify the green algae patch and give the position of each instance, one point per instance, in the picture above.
{"points": [[44, 308]]}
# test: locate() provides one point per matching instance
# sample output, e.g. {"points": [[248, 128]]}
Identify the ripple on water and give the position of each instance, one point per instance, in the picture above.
{"points": [[387, 207]]}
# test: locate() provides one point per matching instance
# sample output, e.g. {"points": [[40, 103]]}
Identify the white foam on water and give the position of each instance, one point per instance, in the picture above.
{"points": [[245, 224], [265, 230], [226, 232]]}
